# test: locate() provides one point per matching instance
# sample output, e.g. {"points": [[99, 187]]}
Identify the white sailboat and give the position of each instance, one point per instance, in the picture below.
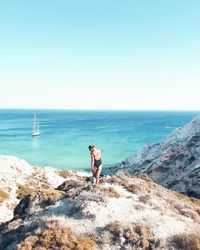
{"points": [[36, 127], [166, 125]]}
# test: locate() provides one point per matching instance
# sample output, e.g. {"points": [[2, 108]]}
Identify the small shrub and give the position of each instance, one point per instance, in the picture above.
{"points": [[117, 179], [47, 197], [115, 228], [3, 196], [133, 188], [56, 238], [39, 199], [145, 198], [65, 173], [186, 241], [136, 236], [110, 192], [50, 195], [145, 177]]}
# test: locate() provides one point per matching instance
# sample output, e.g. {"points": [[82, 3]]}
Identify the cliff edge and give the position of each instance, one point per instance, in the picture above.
{"points": [[173, 163]]}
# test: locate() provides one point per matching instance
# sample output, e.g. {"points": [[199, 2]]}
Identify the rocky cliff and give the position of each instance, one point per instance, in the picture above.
{"points": [[18, 178], [124, 212], [174, 163]]}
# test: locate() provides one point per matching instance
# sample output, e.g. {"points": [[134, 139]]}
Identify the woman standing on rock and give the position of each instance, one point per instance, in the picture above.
{"points": [[96, 163]]}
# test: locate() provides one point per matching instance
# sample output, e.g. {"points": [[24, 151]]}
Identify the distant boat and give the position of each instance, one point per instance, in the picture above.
{"points": [[36, 127], [166, 125]]}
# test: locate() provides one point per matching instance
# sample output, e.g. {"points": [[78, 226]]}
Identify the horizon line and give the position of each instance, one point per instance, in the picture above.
{"points": [[76, 109]]}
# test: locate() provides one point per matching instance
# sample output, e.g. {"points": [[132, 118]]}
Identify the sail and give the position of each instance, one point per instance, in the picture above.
{"points": [[166, 125], [36, 128], [34, 124]]}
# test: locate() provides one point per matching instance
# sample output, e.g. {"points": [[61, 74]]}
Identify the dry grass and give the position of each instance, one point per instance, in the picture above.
{"points": [[129, 175], [186, 241], [195, 201], [48, 197], [37, 179], [24, 191], [3, 196], [145, 177], [145, 198], [185, 198], [127, 181], [122, 180], [65, 174], [51, 194], [56, 239], [116, 179], [198, 211], [136, 236], [39, 199], [46, 193], [68, 174], [187, 206], [110, 192], [115, 228], [133, 188], [181, 197], [84, 178]]}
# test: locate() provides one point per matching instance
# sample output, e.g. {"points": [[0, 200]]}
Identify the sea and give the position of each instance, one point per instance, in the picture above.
{"points": [[66, 134]]}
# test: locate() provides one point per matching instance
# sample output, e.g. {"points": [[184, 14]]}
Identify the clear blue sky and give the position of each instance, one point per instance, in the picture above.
{"points": [[108, 54]]}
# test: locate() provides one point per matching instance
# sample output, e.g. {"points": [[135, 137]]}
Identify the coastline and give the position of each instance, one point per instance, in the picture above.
{"points": [[65, 135]]}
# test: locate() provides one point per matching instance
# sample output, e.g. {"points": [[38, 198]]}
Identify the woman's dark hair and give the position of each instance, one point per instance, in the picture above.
{"points": [[91, 147]]}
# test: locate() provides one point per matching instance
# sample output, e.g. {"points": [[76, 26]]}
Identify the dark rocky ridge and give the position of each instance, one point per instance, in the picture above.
{"points": [[174, 163]]}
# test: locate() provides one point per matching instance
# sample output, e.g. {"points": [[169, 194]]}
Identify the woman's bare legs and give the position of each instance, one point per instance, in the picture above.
{"points": [[94, 171], [98, 174]]}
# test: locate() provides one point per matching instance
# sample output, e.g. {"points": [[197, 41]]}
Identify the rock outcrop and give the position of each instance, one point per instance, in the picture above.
{"points": [[18, 179], [174, 163], [124, 212]]}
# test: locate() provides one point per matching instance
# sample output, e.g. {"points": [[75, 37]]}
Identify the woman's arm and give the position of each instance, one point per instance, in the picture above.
{"points": [[92, 161], [99, 153]]}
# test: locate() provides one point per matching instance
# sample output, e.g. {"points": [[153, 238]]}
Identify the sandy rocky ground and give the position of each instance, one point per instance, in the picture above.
{"points": [[52, 209]]}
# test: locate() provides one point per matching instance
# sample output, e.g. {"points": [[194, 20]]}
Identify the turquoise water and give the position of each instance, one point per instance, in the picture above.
{"points": [[65, 135]]}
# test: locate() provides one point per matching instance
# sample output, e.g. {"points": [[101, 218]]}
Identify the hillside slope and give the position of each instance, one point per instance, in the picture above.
{"points": [[174, 163], [124, 212], [18, 178]]}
